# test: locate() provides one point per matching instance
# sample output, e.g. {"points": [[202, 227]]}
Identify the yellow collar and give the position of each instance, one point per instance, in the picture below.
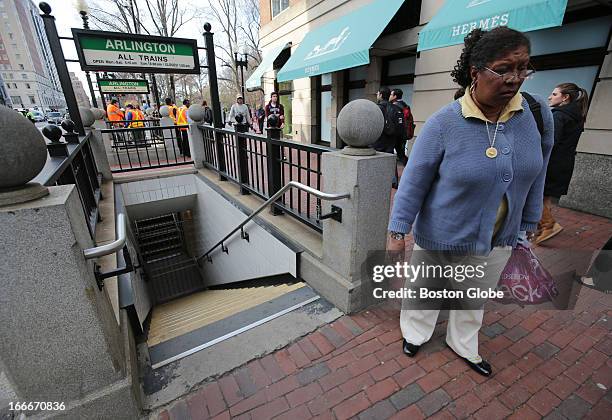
{"points": [[469, 109]]}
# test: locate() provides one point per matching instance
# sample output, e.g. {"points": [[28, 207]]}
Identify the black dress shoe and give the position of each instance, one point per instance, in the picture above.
{"points": [[410, 349], [483, 367]]}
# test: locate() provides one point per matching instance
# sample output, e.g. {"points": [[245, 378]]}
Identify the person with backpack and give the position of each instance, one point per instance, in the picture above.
{"points": [[394, 122], [208, 114], [472, 188], [394, 128], [400, 145]]}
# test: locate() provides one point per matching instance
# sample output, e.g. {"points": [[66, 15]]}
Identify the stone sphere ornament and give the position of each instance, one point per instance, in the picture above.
{"points": [[24, 154], [360, 123], [87, 117], [98, 113], [68, 125], [164, 111], [53, 132], [196, 113]]}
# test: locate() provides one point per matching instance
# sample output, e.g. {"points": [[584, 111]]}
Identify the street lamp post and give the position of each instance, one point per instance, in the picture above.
{"points": [[243, 64], [85, 18]]}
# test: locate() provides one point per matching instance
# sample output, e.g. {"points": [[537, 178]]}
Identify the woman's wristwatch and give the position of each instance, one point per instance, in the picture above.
{"points": [[398, 236]]}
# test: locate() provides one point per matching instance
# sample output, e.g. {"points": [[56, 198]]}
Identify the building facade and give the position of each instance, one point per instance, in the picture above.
{"points": [[5, 99], [79, 91], [578, 51], [26, 63]]}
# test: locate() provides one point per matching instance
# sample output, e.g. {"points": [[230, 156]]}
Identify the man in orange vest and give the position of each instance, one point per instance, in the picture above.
{"points": [[114, 113], [181, 119], [172, 109], [135, 119]]}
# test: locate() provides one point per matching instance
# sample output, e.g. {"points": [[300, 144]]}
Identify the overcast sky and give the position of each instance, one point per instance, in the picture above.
{"points": [[67, 16]]}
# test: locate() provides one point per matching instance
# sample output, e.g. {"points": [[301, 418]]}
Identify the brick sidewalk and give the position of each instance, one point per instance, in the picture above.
{"points": [[546, 363]]}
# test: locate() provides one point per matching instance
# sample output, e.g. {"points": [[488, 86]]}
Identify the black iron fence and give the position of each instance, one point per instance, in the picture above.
{"points": [[261, 165], [78, 168], [148, 147]]}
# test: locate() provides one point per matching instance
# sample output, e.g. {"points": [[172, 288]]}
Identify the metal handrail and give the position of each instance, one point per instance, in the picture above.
{"points": [[116, 245], [279, 193]]}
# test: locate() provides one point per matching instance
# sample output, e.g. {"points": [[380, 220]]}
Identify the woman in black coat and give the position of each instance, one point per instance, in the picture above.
{"points": [[569, 107]]}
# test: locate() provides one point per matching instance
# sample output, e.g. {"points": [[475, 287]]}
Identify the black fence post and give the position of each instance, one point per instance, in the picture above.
{"points": [[214, 97], [243, 161], [275, 179], [60, 65]]}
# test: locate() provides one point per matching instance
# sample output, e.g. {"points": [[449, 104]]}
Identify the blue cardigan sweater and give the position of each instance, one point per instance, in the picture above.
{"points": [[450, 191]]}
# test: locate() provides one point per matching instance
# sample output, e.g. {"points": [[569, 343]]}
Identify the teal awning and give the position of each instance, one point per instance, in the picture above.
{"points": [[266, 65], [458, 17], [340, 44]]}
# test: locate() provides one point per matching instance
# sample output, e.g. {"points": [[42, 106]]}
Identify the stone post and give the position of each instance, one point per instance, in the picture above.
{"points": [[59, 340], [91, 121], [367, 175], [196, 137], [168, 134]]}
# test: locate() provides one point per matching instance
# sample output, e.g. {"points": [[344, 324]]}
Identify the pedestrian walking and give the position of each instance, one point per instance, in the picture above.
{"points": [[261, 118], [475, 177], [181, 119], [394, 128], [239, 112], [208, 114], [274, 107], [569, 104], [400, 141]]}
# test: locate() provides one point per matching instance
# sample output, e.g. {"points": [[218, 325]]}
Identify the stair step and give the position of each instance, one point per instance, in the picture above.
{"points": [[166, 248], [147, 235], [159, 241], [162, 258]]}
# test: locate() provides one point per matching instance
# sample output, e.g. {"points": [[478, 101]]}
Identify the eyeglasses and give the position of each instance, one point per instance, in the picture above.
{"points": [[511, 75]]}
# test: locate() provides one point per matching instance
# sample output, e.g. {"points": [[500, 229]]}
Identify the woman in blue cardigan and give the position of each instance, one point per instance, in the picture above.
{"points": [[474, 183]]}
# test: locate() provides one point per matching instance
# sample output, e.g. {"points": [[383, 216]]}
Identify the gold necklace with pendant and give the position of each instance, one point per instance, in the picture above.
{"points": [[491, 151]]}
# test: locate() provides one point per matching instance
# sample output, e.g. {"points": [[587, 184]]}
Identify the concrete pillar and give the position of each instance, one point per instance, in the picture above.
{"points": [[59, 340], [99, 152], [337, 103], [590, 187], [367, 176], [373, 79]]}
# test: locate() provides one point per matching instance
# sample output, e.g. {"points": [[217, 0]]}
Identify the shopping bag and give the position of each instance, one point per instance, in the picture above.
{"points": [[524, 280]]}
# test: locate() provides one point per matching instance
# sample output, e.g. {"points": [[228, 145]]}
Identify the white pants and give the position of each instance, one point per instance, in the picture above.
{"points": [[463, 325]]}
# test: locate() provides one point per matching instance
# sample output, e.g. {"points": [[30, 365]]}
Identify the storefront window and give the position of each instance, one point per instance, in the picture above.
{"points": [[543, 82], [356, 83], [325, 106], [278, 6], [285, 93]]}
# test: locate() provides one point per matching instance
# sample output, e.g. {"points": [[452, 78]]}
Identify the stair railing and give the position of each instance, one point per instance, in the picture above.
{"points": [[107, 249], [336, 213]]}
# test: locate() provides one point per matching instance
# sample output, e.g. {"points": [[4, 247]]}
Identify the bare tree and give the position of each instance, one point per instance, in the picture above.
{"points": [[159, 17]]}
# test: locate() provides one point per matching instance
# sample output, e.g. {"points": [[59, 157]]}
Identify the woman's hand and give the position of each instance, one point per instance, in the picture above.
{"points": [[395, 245]]}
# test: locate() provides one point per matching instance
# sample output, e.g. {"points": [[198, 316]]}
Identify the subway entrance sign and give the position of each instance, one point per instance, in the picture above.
{"points": [[115, 51], [123, 86]]}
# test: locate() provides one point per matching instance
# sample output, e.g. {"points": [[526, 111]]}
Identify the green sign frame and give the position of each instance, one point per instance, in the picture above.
{"points": [[111, 86], [136, 53]]}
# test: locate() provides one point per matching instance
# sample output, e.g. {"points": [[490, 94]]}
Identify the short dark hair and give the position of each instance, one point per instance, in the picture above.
{"points": [[204, 103], [185, 101], [273, 93], [482, 47], [385, 93], [114, 101], [398, 93], [129, 106], [168, 101]]}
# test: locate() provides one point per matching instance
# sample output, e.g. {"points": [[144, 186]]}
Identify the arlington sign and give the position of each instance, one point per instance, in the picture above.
{"points": [[114, 51]]}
